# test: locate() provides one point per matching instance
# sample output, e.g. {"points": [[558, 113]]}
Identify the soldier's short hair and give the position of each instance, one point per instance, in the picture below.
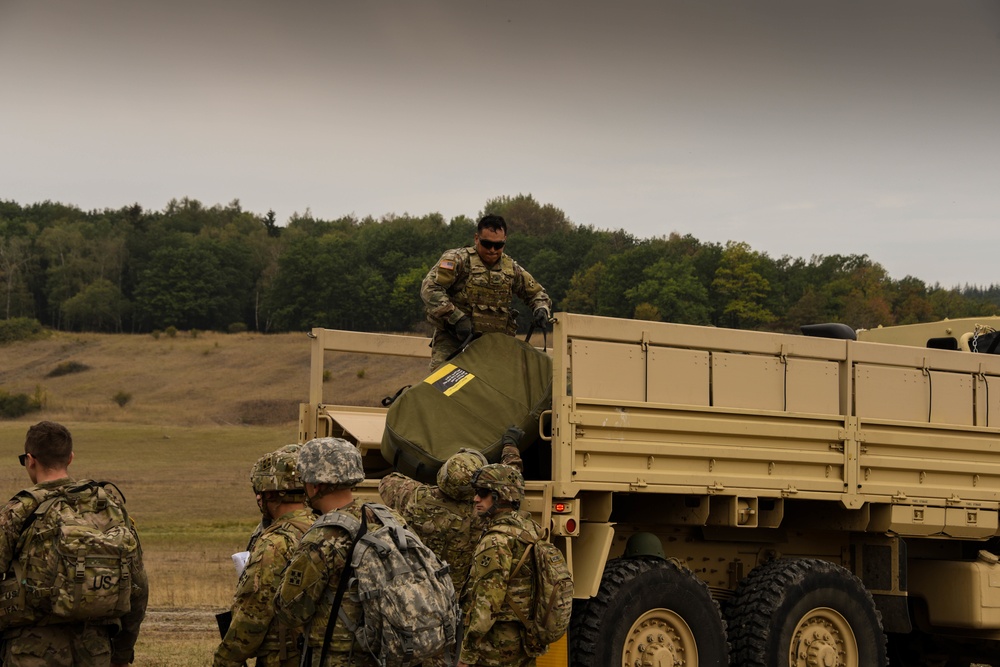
{"points": [[50, 444], [494, 222]]}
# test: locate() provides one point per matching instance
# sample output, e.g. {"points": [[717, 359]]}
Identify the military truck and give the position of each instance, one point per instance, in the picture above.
{"points": [[760, 498]]}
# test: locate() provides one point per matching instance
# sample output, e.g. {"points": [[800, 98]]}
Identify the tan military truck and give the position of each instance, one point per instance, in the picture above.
{"points": [[770, 499]]}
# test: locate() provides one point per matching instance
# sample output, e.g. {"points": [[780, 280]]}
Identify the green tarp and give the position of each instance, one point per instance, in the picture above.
{"points": [[496, 382]]}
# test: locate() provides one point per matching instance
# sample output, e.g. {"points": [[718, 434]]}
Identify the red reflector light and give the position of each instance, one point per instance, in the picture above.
{"points": [[559, 507], [570, 525]]}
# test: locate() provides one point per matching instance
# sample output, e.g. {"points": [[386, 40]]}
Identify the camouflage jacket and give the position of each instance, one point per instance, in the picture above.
{"points": [[13, 516], [493, 635], [309, 584], [253, 630], [449, 527], [461, 284]]}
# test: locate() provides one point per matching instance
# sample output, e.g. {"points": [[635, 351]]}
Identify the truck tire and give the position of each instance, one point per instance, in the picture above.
{"points": [[801, 613], [648, 611]]}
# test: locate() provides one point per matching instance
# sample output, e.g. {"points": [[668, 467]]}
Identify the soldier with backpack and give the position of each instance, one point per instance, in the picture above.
{"points": [[253, 631], [519, 595], [341, 581], [494, 637], [74, 590]]}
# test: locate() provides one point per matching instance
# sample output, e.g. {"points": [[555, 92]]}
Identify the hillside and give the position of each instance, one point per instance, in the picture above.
{"points": [[191, 380]]}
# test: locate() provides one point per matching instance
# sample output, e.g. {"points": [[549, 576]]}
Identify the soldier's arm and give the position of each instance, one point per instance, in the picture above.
{"points": [[123, 643], [398, 492], [512, 457], [12, 517], [485, 592], [530, 290], [434, 288], [302, 584], [252, 605]]}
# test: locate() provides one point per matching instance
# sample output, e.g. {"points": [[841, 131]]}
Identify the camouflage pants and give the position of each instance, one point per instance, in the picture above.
{"points": [[443, 345], [66, 645]]}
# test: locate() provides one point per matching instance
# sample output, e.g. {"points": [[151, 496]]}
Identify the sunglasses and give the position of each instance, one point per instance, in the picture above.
{"points": [[492, 245], [483, 493], [22, 459]]}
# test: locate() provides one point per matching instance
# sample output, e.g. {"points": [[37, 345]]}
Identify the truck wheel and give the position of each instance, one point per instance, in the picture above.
{"points": [[804, 613], [651, 613]]}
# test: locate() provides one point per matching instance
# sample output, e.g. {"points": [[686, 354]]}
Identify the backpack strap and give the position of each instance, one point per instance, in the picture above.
{"points": [[342, 520], [43, 499], [386, 518], [339, 519]]}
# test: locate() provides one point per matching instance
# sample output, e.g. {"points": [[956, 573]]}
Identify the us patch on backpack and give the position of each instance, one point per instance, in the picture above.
{"points": [[75, 555], [552, 601], [406, 594]]}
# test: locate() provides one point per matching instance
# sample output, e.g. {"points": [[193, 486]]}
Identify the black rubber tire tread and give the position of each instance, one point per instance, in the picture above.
{"points": [[629, 588], [770, 601]]}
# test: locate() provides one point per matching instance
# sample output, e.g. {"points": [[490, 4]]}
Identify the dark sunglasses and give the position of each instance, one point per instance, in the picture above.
{"points": [[22, 458], [492, 245], [483, 493]]}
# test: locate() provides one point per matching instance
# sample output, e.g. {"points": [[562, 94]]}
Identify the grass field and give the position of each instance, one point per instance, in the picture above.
{"points": [[202, 409]]}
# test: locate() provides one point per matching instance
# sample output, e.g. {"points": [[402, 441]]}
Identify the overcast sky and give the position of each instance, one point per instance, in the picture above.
{"points": [[801, 127]]}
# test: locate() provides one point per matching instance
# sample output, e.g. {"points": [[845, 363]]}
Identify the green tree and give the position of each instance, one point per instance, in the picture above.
{"points": [[742, 287], [194, 283], [15, 258], [100, 306], [672, 288], [524, 215]]}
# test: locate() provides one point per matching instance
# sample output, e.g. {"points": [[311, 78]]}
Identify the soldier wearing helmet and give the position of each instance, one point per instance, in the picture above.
{"points": [[494, 637], [253, 630], [330, 468]]}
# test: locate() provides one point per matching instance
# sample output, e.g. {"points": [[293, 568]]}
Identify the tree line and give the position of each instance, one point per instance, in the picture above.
{"points": [[222, 268]]}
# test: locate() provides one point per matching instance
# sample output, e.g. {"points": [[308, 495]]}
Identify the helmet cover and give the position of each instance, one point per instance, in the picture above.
{"points": [[332, 461], [505, 481], [275, 471], [453, 477]]}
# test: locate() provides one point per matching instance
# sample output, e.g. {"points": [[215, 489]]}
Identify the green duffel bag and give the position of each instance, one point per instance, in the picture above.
{"points": [[469, 401]]}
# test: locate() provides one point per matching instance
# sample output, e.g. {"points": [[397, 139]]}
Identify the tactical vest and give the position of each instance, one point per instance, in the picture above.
{"points": [[487, 295]]}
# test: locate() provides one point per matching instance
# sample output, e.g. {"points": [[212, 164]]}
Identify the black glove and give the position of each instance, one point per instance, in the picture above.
{"points": [[541, 316], [463, 328], [512, 436]]}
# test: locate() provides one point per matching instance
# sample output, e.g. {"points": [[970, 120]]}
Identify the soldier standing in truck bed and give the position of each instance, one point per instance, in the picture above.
{"points": [[472, 289]]}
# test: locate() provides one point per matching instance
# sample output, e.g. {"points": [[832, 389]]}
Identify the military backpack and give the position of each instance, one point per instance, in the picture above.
{"points": [[406, 594], [73, 559], [552, 601]]}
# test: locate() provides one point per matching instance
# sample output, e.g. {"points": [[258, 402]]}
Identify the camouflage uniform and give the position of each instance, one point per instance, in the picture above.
{"points": [[308, 586], [253, 631], [66, 644], [493, 635], [309, 583], [461, 284]]}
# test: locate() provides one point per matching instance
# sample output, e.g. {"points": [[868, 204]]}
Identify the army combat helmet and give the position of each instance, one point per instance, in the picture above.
{"points": [[503, 481], [332, 461], [454, 476], [275, 471]]}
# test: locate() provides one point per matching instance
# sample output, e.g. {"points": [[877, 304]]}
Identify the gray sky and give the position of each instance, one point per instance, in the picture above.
{"points": [[801, 127]]}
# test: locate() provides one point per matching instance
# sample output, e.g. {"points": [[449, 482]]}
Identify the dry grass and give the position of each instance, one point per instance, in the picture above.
{"points": [[213, 378], [182, 448]]}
